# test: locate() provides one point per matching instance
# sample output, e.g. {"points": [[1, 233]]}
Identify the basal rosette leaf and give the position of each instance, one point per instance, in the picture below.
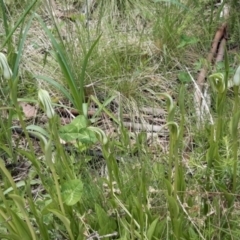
{"points": [[80, 122], [72, 191], [78, 130], [83, 135]]}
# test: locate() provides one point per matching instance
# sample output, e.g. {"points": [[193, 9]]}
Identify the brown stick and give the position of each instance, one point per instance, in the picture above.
{"points": [[221, 49], [218, 36], [218, 41], [146, 127]]}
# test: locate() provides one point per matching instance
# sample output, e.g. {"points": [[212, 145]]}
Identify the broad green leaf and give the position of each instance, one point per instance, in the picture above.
{"points": [[9, 236], [192, 234], [173, 207], [152, 228], [68, 133], [21, 226], [87, 136], [5, 212], [76, 130], [177, 227], [137, 209], [65, 221], [184, 77], [8, 175], [19, 201], [21, 184], [72, 191], [84, 135], [105, 222], [80, 122], [34, 207], [48, 204], [181, 186], [168, 186], [160, 229]]}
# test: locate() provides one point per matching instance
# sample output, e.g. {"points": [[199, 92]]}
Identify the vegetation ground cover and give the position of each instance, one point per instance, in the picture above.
{"points": [[99, 135]]}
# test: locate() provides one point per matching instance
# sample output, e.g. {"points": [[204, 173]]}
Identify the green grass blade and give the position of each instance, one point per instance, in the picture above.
{"points": [[22, 37], [84, 66], [65, 67], [5, 22], [57, 86], [20, 20], [65, 221], [19, 201], [8, 175]]}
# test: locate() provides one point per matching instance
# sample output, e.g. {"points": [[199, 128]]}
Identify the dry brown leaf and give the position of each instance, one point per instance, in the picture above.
{"points": [[28, 110]]}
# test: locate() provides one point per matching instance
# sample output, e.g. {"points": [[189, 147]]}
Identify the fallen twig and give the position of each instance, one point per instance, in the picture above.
{"points": [[217, 52]]}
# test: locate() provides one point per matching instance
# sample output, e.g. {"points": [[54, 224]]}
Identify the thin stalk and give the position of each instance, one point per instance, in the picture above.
{"points": [[48, 156], [220, 113], [54, 135], [170, 158], [180, 181], [57, 187], [235, 138], [176, 175]]}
